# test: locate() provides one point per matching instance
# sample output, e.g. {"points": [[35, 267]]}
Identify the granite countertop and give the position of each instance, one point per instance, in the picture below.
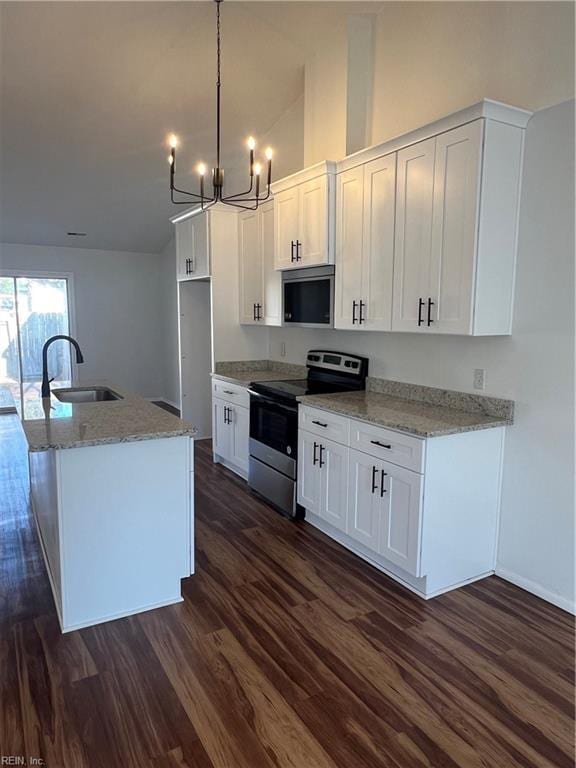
{"points": [[404, 415], [245, 372], [52, 424]]}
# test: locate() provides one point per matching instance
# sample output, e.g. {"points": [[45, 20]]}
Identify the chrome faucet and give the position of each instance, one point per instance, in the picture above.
{"points": [[45, 380]]}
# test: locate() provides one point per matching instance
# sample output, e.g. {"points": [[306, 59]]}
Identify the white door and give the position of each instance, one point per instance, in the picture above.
{"points": [[184, 249], [365, 499], [349, 248], [378, 247], [312, 246], [401, 519], [309, 475], [221, 439], [454, 225], [413, 234], [251, 301], [286, 205], [239, 418], [271, 277], [200, 246], [333, 462]]}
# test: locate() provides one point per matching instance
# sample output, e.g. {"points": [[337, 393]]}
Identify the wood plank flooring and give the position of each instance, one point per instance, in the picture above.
{"points": [[288, 652]]}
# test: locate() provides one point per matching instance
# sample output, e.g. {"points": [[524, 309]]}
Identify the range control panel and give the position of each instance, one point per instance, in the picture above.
{"points": [[337, 361]]}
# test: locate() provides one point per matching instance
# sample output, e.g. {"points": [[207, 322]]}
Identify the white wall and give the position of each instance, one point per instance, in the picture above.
{"points": [[117, 307], [169, 324], [534, 366], [433, 58]]}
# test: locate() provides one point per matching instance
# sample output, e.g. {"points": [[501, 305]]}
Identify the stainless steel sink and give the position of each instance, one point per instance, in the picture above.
{"points": [[86, 395]]}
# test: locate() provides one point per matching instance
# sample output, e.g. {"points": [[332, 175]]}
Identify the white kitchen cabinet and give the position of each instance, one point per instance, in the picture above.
{"points": [[230, 430], [400, 524], [304, 218], [192, 247], [426, 227], [365, 200], [323, 478], [426, 514], [260, 284]]}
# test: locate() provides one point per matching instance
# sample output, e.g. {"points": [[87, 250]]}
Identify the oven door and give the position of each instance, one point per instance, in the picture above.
{"points": [[273, 431]]}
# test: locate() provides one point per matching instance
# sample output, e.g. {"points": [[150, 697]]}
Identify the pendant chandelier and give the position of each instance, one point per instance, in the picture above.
{"points": [[251, 198]]}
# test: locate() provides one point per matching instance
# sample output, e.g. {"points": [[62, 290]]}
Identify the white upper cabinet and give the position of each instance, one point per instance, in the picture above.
{"points": [[260, 284], [193, 247], [414, 198], [365, 199], [304, 218], [426, 227]]}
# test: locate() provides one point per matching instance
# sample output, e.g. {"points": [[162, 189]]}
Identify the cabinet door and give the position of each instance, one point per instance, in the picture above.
{"points": [[220, 428], [309, 474], [333, 460], [313, 222], [200, 246], [413, 233], [457, 174], [378, 246], [349, 249], [286, 206], [250, 268], [366, 500], [184, 248], [272, 279], [239, 436], [401, 519]]}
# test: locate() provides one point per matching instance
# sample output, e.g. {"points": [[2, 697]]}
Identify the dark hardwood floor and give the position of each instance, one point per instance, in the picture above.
{"points": [[287, 652]]}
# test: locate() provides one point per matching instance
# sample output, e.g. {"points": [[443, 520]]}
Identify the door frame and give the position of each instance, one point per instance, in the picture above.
{"points": [[69, 277]]}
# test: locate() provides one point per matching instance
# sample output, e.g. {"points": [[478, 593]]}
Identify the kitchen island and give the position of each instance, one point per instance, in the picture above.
{"points": [[111, 486]]}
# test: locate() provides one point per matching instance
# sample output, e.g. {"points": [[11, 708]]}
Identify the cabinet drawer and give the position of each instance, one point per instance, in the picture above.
{"points": [[332, 426], [232, 393], [403, 450]]}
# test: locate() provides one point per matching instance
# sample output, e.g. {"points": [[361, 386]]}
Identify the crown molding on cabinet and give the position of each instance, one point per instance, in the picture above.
{"points": [[197, 210], [326, 167], [487, 109]]}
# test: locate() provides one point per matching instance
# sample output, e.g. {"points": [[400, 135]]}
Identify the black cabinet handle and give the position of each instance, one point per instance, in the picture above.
{"points": [[258, 315], [354, 305], [420, 305], [361, 319], [374, 486], [298, 246], [382, 489], [254, 312], [321, 463], [320, 424], [292, 244], [314, 459], [430, 305], [382, 445], [225, 414]]}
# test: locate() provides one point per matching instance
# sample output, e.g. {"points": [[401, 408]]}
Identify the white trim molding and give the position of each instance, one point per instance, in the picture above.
{"points": [[536, 589]]}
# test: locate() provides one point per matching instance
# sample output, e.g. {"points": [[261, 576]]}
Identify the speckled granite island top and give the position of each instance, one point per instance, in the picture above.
{"points": [[412, 416], [52, 424]]}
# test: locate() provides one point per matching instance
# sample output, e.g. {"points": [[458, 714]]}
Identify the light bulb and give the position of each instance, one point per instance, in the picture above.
{"points": [[201, 168], [170, 159], [173, 141], [251, 142], [257, 169], [269, 153]]}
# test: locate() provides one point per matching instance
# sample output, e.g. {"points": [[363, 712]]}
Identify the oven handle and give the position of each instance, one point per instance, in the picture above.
{"points": [[271, 401]]}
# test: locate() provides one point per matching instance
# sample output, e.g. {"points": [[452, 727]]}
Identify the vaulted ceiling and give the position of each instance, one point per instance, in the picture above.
{"points": [[90, 90]]}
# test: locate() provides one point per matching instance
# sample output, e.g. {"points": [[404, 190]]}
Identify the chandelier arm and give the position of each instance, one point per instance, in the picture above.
{"points": [[240, 194], [196, 198], [239, 205], [238, 198]]}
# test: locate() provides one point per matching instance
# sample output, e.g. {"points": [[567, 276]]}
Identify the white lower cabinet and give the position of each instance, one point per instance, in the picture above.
{"points": [[230, 434], [322, 483], [433, 529]]}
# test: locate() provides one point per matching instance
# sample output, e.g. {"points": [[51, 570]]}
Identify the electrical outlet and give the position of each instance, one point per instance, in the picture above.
{"points": [[479, 378], [282, 349]]}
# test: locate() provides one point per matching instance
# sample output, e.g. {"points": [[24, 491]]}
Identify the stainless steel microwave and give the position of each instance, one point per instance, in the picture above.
{"points": [[308, 297]]}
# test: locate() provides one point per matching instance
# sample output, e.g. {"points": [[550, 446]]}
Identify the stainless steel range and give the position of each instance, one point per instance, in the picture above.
{"points": [[274, 423]]}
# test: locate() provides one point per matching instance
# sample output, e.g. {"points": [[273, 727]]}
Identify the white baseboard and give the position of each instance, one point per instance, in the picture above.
{"points": [[536, 589]]}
